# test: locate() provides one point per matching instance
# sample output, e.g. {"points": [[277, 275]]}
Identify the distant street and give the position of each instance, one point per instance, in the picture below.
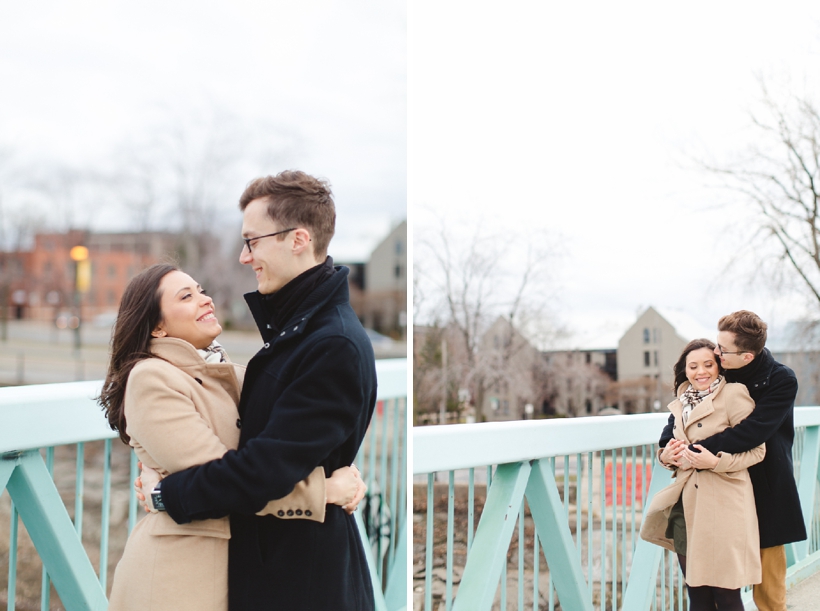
{"points": [[37, 352]]}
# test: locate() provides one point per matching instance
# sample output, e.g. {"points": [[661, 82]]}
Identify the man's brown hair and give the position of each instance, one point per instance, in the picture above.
{"points": [[749, 330], [296, 199]]}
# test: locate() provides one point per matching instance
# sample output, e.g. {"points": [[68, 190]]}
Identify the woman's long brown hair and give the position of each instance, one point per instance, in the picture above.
{"points": [[139, 314]]}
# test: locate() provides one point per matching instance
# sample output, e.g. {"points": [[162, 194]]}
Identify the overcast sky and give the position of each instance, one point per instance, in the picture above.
{"points": [[326, 78], [578, 122]]}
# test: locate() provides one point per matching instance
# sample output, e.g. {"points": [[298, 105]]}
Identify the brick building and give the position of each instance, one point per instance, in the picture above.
{"points": [[39, 283]]}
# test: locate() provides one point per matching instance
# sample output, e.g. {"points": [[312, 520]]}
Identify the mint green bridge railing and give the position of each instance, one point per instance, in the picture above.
{"points": [[560, 504], [37, 421]]}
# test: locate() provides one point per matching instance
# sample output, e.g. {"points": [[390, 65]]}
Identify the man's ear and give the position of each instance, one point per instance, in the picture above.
{"points": [[301, 240], [748, 357]]}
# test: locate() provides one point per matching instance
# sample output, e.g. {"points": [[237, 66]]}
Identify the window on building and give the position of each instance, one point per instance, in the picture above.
{"points": [[112, 298], [112, 271], [656, 358], [589, 406], [588, 358], [399, 247], [646, 336], [397, 271], [646, 358]]}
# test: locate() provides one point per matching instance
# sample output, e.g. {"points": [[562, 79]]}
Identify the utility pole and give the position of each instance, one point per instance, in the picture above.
{"points": [[443, 405]]}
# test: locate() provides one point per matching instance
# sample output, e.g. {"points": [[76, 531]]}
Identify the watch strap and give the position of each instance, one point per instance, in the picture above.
{"points": [[156, 497]]}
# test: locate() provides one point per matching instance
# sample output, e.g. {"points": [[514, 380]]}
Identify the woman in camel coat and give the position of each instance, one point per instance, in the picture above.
{"points": [[721, 541], [172, 395]]}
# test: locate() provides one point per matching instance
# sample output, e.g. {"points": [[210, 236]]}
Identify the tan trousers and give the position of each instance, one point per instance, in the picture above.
{"points": [[770, 593]]}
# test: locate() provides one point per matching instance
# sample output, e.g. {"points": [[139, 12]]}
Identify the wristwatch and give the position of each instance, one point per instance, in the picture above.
{"points": [[156, 497]]}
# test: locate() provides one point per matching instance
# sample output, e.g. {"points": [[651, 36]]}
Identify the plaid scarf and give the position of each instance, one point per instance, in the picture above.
{"points": [[214, 353], [691, 398]]}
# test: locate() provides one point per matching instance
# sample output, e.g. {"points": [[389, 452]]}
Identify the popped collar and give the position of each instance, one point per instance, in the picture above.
{"points": [[331, 291], [755, 375]]}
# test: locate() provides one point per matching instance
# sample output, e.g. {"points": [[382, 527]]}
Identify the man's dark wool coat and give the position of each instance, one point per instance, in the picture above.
{"points": [[773, 386], [307, 400]]}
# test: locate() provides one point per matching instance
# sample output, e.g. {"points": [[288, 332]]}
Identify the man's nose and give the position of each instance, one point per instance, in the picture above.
{"points": [[245, 256]]}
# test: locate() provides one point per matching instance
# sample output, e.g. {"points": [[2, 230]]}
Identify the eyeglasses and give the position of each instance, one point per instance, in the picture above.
{"points": [[259, 237], [722, 351]]}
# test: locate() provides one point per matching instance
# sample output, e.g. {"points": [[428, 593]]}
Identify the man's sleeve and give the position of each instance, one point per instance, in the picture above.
{"points": [[314, 415], [667, 434], [768, 415]]}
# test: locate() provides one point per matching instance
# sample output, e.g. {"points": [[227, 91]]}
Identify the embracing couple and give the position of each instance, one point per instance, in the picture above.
{"points": [[733, 505], [247, 472]]}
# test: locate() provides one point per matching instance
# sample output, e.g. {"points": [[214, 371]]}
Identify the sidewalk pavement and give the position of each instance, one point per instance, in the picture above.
{"points": [[805, 596]]}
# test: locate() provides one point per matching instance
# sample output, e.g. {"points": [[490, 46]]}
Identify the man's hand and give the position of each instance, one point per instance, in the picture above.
{"points": [[144, 484]]}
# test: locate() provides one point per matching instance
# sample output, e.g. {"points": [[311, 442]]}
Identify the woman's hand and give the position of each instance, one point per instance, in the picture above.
{"points": [[701, 460], [345, 487], [150, 478], [673, 453]]}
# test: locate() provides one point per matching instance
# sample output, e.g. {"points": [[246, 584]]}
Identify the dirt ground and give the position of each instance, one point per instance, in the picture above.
{"points": [[29, 567]]}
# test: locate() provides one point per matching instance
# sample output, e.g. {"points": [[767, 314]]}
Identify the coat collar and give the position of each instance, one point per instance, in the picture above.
{"points": [[176, 351], [703, 409], [759, 370], [333, 291], [184, 357]]}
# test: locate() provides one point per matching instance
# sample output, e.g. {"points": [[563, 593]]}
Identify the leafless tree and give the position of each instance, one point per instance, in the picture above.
{"points": [[186, 175], [474, 279], [778, 176], [565, 382]]}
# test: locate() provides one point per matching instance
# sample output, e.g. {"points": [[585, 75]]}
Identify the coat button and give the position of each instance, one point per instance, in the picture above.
{"points": [[700, 424], [298, 512], [239, 423], [281, 334], [290, 512], [198, 380], [280, 513], [267, 345], [308, 512], [296, 328], [674, 426], [696, 485]]}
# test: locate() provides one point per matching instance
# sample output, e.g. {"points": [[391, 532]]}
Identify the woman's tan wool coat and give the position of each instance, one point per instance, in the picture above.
{"points": [[723, 542], [180, 412]]}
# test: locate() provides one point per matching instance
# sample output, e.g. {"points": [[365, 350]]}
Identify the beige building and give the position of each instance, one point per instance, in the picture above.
{"points": [[577, 382], [385, 285], [647, 353], [797, 346], [508, 364]]}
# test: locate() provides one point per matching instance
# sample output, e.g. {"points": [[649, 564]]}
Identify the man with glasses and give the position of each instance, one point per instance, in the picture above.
{"points": [[773, 386], [307, 400]]}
